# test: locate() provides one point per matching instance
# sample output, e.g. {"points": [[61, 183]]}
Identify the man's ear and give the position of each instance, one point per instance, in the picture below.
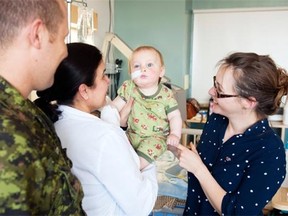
{"points": [[83, 91], [36, 33]]}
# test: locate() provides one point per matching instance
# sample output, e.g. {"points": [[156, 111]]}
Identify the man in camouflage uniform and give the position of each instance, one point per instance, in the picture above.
{"points": [[35, 176]]}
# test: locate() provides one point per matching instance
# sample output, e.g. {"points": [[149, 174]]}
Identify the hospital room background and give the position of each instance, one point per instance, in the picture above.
{"points": [[189, 33], [192, 35]]}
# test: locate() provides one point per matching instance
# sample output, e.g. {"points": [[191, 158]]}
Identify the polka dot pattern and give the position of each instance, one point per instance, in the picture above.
{"points": [[250, 167]]}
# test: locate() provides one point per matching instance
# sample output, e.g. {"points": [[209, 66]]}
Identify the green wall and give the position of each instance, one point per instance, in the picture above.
{"points": [[214, 4], [223, 4], [160, 23], [168, 25]]}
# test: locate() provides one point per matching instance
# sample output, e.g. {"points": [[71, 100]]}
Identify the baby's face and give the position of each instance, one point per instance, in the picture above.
{"points": [[147, 68]]}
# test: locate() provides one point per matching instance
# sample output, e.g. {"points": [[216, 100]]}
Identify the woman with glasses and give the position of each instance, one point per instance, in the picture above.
{"points": [[239, 163]]}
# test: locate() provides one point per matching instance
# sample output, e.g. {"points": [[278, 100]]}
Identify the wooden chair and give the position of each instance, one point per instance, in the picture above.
{"points": [[190, 131]]}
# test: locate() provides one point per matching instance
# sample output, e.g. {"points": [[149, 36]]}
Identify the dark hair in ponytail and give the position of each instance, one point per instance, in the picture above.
{"points": [[79, 67]]}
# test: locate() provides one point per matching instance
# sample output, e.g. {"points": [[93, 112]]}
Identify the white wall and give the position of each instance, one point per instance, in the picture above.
{"points": [[220, 32], [101, 7]]}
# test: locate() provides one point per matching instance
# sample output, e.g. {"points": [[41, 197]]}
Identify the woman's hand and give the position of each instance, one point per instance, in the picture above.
{"points": [[125, 112], [189, 159]]}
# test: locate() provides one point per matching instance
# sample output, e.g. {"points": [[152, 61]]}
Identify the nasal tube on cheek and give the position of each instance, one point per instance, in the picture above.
{"points": [[135, 74]]}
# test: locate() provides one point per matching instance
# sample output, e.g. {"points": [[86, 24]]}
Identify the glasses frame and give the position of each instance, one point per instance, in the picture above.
{"points": [[219, 95]]}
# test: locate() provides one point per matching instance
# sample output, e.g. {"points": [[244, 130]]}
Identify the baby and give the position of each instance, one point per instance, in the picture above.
{"points": [[152, 118]]}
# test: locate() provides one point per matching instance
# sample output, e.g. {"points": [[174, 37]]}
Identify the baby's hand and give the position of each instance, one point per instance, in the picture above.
{"points": [[173, 140]]}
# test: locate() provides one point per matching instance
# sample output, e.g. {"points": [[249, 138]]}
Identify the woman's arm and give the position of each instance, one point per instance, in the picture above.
{"points": [[191, 161], [124, 109], [135, 192], [257, 185], [118, 102]]}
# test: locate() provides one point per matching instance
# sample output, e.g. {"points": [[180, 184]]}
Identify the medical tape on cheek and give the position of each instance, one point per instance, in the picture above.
{"points": [[136, 74]]}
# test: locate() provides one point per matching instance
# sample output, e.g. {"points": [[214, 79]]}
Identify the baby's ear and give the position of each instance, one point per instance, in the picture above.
{"points": [[162, 71]]}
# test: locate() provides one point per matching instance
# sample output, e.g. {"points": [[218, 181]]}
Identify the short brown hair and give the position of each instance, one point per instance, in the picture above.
{"points": [[15, 14]]}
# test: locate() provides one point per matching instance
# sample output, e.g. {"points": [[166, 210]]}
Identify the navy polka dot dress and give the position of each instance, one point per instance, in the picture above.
{"points": [[250, 167]]}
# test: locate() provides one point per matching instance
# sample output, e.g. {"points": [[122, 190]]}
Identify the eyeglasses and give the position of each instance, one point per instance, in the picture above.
{"points": [[219, 95]]}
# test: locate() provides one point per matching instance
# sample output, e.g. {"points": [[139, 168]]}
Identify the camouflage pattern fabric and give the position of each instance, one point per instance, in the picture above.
{"points": [[35, 176]]}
